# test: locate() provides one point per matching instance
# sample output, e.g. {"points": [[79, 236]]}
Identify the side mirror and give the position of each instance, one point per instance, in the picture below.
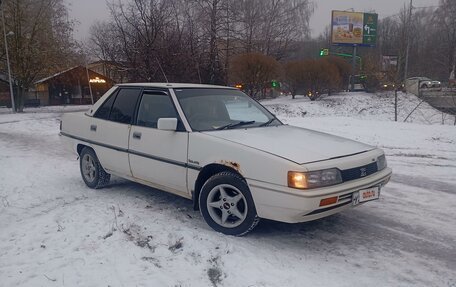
{"points": [[167, 124]]}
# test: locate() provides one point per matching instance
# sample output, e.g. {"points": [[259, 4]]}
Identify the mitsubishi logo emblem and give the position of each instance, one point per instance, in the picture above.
{"points": [[363, 171]]}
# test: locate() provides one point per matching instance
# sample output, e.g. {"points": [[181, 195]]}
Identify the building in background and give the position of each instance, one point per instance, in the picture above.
{"points": [[71, 87]]}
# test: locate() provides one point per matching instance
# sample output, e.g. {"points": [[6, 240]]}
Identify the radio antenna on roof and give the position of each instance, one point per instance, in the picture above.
{"points": [[161, 69]]}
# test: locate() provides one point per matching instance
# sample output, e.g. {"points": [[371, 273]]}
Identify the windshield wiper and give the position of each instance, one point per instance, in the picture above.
{"points": [[267, 123], [233, 125]]}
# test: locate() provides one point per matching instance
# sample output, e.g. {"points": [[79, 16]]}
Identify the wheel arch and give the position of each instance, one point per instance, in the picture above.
{"points": [[205, 173], [80, 147]]}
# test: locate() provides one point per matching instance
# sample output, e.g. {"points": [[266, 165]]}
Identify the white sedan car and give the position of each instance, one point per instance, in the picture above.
{"points": [[223, 150]]}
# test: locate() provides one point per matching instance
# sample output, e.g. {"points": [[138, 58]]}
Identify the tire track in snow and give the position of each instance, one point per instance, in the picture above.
{"points": [[424, 183]]}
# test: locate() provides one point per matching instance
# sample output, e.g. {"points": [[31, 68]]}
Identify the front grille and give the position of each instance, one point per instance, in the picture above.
{"points": [[359, 172]]}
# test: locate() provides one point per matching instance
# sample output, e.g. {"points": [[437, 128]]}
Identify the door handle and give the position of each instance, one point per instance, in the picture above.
{"points": [[137, 135], [93, 128]]}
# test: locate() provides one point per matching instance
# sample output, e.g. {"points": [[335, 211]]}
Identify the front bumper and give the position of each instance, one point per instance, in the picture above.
{"points": [[290, 205]]}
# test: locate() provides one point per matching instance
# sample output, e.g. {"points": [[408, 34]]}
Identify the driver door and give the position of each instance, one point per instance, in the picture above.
{"points": [[159, 156]]}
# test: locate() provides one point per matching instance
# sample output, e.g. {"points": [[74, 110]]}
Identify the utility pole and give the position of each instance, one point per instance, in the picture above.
{"points": [[352, 84], [13, 104], [408, 40]]}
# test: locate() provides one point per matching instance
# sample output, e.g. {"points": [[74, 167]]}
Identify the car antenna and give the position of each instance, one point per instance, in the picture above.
{"points": [[163, 72]]}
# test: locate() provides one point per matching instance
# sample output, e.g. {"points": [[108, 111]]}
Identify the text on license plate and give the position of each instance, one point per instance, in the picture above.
{"points": [[367, 194]]}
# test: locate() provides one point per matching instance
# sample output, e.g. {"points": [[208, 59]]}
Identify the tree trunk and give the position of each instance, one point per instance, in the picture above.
{"points": [[19, 100], [395, 105]]}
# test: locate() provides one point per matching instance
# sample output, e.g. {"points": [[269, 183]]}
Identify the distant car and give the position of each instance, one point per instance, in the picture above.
{"points": [[425, 83], [359, 83], [387, 86], [225, 151]]}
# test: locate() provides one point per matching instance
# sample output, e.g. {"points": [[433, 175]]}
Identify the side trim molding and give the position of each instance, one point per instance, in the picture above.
{"points": [[137, 153]]}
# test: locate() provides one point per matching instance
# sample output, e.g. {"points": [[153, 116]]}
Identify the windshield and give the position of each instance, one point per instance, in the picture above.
{"points": [[217, 109]]}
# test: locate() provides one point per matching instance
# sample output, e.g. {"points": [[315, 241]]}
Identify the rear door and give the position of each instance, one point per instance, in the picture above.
{"points": [[157, 156], [110, 129]]}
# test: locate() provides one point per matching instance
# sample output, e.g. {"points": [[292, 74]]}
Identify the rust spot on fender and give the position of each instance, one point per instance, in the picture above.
{"points": [[234, 165]]}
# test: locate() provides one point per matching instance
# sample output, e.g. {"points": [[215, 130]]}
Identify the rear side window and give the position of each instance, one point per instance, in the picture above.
{"points": [[123, 108], [155, 105], [104, 110]]}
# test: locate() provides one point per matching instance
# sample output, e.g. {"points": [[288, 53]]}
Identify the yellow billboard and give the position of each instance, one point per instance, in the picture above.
{"points": [[347, 27]]}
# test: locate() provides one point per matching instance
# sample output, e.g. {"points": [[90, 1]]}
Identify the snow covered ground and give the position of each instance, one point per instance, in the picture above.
{"points": [[54, 231]]}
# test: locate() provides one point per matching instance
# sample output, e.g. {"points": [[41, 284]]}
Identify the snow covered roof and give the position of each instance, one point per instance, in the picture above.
{"points": [[55, 75], [68, 70]]}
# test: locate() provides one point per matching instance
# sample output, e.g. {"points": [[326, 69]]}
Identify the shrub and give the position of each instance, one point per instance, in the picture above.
{"points": [[255, 71]]}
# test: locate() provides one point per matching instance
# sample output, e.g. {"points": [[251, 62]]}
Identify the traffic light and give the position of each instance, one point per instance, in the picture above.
{"points": [[275, 84], [324, 52]]}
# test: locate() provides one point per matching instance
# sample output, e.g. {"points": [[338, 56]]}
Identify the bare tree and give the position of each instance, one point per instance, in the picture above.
{"points": [[446, 24], [196, 40], [295, 77], [272, 26], [210, 13], [41, 41]]}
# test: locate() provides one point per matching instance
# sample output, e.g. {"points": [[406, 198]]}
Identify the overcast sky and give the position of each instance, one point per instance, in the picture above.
{"points": [[87, 12]]}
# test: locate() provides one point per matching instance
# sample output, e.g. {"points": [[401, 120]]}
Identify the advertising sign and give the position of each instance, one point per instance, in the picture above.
{"points": [[353, 28]]}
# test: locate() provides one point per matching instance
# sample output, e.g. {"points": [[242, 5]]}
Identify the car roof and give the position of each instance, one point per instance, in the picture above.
{"points": [[174, 85]]}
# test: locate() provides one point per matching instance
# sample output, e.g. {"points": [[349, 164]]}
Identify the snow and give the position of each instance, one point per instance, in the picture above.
{"points": [[360, 105], [56, 231]]}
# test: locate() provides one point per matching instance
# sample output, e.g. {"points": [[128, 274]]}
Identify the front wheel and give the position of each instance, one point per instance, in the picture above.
{"points": [[227, 205], [92, 172]]}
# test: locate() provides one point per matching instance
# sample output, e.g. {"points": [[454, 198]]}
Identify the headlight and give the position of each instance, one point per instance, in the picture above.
{"points": [[313, 179], [381, 162]]}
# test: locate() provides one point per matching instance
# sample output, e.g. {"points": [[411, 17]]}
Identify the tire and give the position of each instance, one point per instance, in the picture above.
{"points": [[226, 204], [92, 172]]}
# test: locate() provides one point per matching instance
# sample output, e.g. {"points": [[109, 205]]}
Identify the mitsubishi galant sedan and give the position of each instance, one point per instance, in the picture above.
{"points": [[224, 151]]}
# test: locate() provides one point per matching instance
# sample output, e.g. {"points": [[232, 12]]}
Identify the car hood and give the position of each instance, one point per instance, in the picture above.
{"points": [[295, 144]]}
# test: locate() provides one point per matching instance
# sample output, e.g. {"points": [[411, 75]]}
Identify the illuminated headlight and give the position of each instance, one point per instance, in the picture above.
{"points": [[313, 179], [381, 162]]}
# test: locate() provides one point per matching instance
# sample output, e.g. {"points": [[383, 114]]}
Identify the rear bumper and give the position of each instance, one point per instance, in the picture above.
{"points": [[291, 205]]}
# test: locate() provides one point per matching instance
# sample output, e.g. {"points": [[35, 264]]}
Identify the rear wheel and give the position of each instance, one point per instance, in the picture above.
{"points": [[92, 172], [227, 205]]}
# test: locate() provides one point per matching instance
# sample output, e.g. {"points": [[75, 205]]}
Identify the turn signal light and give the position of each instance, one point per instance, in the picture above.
{"points": [[328, 201], [297, 179]]}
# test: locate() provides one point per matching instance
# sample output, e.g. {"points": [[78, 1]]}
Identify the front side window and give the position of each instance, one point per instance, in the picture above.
{"points": [[217, 109], [153, 106], [123, 108]]}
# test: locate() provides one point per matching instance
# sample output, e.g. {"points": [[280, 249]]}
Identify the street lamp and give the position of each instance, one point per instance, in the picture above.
{"points": [[13, 105]]}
